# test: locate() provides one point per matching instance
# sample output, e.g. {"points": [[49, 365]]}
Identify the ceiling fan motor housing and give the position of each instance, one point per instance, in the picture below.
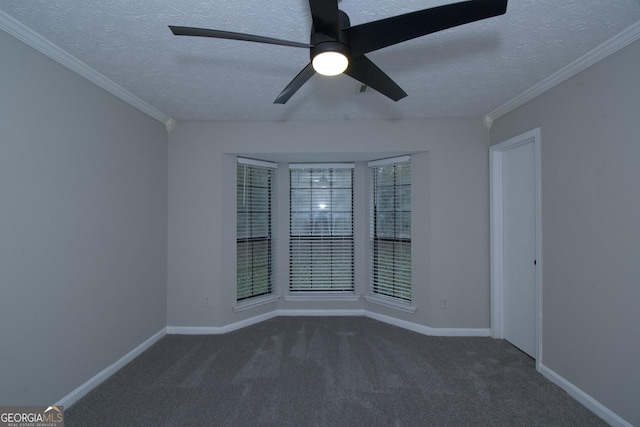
{"points": [[322, 42], [329, 46]]}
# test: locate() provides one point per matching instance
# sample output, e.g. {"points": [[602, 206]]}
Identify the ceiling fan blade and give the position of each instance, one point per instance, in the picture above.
{"points": [[325, 17], [204, 32], [386, 32], [365, 71], [297, 82]]}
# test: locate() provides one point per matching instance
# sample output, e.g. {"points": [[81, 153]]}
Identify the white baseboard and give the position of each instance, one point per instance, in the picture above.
{"points": [[101, 376], [194, 330], [355, 312], [593, 405], [427, 330], [217, 330]]}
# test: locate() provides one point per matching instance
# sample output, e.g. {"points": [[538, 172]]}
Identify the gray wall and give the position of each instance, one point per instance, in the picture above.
{"points": [[83, 202], [590, 127], [450, 212]]}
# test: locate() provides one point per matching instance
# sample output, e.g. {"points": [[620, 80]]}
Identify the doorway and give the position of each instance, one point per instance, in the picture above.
{"points": [[516, 259]]}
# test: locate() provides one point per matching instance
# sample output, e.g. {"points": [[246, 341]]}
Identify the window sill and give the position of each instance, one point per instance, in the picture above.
{"points": [[255, 302], [321, 296], [389, 302]]}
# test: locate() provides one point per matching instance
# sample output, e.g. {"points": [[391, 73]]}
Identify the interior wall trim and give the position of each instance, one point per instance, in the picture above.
{"points": [[612, 45], [103, 375], [39, 43], [592, 404], [425, 330], [217, 330]]}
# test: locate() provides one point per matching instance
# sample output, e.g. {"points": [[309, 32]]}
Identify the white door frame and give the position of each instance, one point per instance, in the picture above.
{"points": [[496, 240]]}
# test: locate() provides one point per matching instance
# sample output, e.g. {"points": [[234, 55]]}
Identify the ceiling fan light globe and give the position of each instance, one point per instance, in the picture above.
{"points": [[330, 63]]}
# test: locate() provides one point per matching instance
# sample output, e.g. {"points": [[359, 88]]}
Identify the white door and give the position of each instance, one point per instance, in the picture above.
{"points": [[515, 195], [519, 247]]}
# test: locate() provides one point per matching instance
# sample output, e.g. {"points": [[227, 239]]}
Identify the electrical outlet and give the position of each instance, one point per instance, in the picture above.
{"points": [[444, 302], [207, 302]]}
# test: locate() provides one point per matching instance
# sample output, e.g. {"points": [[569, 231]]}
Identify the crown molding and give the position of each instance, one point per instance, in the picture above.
{"points": [[170, 124], [612, 45], [36, 41]]}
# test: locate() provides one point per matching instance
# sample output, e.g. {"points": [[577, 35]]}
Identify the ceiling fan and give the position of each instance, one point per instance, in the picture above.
{"points": [[337, 47]]}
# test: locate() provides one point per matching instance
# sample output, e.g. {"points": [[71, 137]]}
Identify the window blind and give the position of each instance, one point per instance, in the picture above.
{"points": [[390, 228], [321, 228], [254, 243]]}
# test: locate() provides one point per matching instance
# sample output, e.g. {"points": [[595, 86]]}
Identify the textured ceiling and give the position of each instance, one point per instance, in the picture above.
{"points": [[466, 71]]}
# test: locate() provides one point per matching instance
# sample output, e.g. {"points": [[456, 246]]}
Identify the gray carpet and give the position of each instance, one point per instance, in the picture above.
{"points": [[328, 371]]}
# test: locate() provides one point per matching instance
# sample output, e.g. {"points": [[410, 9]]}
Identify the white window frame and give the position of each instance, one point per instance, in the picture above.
{"points": [[246, 300], [305, 292], [396, 295]]}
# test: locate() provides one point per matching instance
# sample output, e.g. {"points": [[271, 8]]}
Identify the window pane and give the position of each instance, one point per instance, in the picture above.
{"points": [[300, 178], [385, 175], [403, 225], [260, 222], [385, 199], [403, 198], [321, 200], [341, 200], [321, 234], [342, 224], [390, 230], [321, 224], [243, 229], [342, 178], [385, 224], [300, 224], [402, 173], [301, 200], [253, 232]]}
